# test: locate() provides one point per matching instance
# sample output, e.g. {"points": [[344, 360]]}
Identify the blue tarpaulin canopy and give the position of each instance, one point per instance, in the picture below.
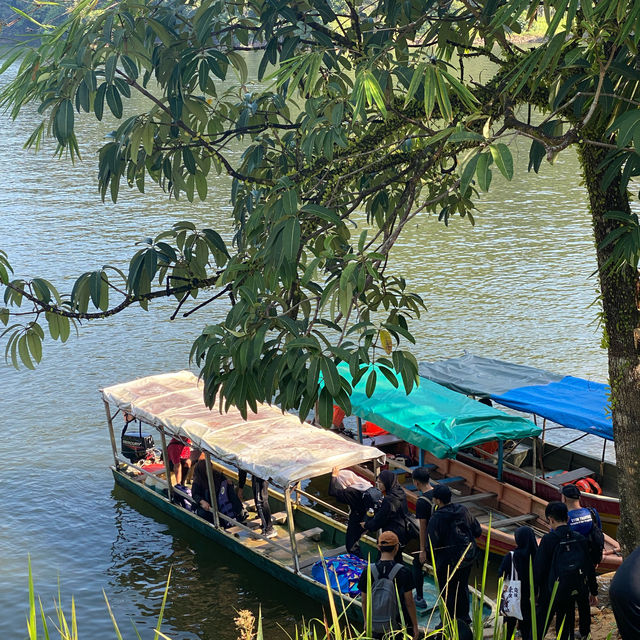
{"points": [[575, 403], [433, 417]]}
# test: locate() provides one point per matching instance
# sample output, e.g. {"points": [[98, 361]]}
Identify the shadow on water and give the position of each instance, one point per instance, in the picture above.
{"points": [[208, 582]]}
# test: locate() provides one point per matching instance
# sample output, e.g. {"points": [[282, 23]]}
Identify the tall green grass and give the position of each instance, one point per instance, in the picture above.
{"points": [[334, 626]]}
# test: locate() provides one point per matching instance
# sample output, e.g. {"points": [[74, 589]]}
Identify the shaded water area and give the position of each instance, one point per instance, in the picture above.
{"points": [[516, 286]]}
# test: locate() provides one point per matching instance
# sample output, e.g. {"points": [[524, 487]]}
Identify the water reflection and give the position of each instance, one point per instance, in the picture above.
{"points": [[209, 583]]}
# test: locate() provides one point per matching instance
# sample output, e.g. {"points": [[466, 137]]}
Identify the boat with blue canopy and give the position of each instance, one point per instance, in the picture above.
{"points": [[443, 424], [565, 401]]}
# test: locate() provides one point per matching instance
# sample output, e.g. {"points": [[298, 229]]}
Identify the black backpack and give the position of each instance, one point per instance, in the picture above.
{"points": [[461, 540], [384, 599], [569, 563], [595, 541], [371, 500]]}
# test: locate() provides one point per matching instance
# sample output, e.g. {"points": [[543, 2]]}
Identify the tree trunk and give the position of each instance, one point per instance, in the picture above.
{"points": [[621, 325]]}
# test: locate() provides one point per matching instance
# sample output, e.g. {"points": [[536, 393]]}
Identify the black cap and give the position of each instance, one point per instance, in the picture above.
{"points": [[571, 491], [441, 492]]}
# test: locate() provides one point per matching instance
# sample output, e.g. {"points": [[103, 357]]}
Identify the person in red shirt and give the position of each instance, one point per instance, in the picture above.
{"points": [[179, 459]]}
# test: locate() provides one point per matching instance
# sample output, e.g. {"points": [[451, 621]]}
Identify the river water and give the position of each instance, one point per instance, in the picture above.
{"points": [[517, 286]]}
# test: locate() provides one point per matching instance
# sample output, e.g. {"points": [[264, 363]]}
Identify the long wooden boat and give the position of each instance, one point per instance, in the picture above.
{"points": [[436, 419], [268, 444], [560, 465], [573, 403]]}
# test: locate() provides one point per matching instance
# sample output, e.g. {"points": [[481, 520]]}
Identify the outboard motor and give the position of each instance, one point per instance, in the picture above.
{"points": [[135, 446]]}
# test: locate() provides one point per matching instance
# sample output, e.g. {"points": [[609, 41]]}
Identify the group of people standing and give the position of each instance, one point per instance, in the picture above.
{"points": [[447, 528], [562, 564]]}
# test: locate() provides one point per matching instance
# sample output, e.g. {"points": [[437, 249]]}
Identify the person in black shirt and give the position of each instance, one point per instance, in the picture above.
{"points": [[565, 600], [349, 489], [451, 533], [423, 514], [388, 543], [625, 596], [523, 557], [392, 512], [260, 489]]}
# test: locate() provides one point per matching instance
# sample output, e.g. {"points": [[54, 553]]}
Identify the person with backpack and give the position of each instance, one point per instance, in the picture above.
{"points": [[393, 513], [391, 582], [521, 559], [360, 496], [422, 479], [563, 558], [585, 521], [452, 533]]}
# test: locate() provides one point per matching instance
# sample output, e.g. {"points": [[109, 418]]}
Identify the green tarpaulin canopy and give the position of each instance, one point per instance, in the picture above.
{"points": [[433, 417]]}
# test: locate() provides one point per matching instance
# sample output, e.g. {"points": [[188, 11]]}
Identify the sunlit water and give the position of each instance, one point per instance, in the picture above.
{"points": [[516, 286]]}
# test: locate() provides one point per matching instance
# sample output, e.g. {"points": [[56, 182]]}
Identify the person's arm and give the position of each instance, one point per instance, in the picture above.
{"points": [[411, 609], [505, 565], [423, 541], [541, 564], [200, 496], [380, 518]]}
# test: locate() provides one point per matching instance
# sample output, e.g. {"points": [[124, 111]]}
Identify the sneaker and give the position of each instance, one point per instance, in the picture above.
{"points": [[271, 534], [421, 603]]}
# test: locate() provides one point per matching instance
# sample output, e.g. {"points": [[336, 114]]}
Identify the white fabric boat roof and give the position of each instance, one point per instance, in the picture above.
{"points": [[269, 444]]}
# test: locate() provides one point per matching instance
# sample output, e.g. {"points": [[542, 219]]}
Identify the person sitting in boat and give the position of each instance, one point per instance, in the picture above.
{"points": [[352, 490], [180, 460], [260, 489], [227, 500], [392, 512]]}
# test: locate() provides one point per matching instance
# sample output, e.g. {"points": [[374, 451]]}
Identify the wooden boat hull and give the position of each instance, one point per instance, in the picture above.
{"points": [[509, 501], [334, 534], [607, 505]]}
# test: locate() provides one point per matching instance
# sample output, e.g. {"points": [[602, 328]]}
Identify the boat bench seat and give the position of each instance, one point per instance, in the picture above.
{"points": [[570, 476], [472, 497], [449, 480], [523, 517], [326, 554]]}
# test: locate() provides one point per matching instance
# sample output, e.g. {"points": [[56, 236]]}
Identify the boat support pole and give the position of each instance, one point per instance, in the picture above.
{"points": [[212, 491], [533, 481], [112, 435], [500, 459], [359, 429], [165, 457], [292, 529], [604, 450]]}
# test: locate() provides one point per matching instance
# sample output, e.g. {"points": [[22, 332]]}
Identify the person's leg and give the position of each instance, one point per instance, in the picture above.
{"points": [[261, 497], [525, 625], [461, 578], [543, 615], [565, 616], [510, 624], [584, 612], [354, 532], [418, 576]]}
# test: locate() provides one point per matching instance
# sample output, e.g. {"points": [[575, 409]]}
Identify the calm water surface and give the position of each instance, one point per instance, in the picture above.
{"points": [[516, 286]]}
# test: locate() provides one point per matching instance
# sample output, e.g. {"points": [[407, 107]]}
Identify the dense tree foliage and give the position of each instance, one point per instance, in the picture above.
{"points": [[368, 119]]}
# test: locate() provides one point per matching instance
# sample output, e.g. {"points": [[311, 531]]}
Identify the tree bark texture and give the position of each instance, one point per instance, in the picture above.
{"points": [[621, 325]]}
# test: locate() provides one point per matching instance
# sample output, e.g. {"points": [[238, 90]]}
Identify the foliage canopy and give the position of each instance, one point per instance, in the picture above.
{"points": [[365, 119]]}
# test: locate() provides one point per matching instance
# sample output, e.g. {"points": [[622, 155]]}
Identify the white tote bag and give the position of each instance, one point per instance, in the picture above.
{"points": [[511, 595]]}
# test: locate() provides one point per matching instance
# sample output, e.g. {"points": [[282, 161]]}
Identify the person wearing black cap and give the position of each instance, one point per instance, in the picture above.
{"points": [[388, 568], [451, 532]]}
